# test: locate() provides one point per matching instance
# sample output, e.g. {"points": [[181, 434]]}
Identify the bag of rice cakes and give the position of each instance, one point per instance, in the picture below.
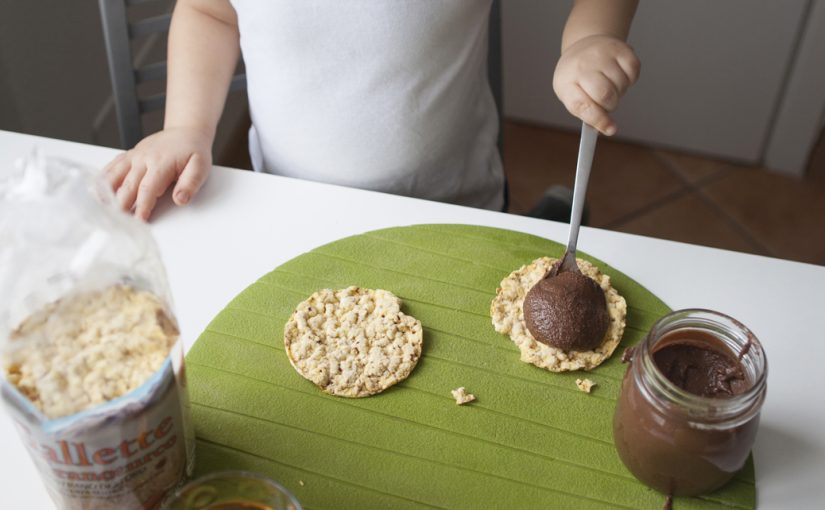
{"points": [[92, 362]]}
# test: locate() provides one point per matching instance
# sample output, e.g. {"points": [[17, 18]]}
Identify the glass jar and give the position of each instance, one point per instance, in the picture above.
{"points": [[678, 442], [232, 490]]}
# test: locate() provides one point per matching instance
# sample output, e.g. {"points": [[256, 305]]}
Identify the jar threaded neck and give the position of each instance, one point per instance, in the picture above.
{"points": [[702, 411]]}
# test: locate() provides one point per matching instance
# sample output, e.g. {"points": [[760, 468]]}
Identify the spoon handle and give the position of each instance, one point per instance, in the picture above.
{"points": [[587, 147]]}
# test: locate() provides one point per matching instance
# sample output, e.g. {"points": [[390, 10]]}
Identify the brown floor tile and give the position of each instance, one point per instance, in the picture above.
{"points": [[625, 179], [783, 213], [690, 219], [693, 168]]}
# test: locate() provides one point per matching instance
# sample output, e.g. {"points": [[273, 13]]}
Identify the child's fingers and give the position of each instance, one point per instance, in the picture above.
{"points": [[582, 106], [157, 179], [601, 90], [617, 77], [116, 170], [128, 190], [191, 179], [117, 159], [630, 64]]}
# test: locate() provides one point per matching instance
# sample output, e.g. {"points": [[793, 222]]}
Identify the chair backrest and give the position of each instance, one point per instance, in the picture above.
{"points": [[119, 33]]}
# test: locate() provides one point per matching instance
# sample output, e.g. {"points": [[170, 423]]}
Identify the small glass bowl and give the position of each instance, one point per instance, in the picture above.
{"points": [[232, 490]]}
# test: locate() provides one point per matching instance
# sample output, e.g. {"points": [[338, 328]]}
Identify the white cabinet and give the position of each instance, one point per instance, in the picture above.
{"points": [[715, 75]]}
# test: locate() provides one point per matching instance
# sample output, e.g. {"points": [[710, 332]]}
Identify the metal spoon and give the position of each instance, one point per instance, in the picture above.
{"points": [[587, 147]]}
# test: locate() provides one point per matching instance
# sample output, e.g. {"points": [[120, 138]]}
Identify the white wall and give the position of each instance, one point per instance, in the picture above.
{"points": [[801, 115], [712, 72]]}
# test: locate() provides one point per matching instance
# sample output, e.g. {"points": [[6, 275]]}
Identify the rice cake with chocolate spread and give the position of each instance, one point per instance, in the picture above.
{"points": [[507, 313], [353, 342]]}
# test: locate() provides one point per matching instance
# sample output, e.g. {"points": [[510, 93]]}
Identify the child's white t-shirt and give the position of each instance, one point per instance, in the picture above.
{"points": [[386, 95]]}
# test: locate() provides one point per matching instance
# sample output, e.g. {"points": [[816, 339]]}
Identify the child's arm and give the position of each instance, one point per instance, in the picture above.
{"points": [[202, 55], [596, 65]]}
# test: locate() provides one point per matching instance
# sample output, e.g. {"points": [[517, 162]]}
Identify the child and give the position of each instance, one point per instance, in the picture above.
{"points": [[387, 95]]}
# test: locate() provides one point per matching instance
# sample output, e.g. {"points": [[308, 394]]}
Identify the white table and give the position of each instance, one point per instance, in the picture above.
{"points": [[782, 302]]}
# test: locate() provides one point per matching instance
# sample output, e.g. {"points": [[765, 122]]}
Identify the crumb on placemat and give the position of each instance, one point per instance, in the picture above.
{"points": [[461, 396], [585, 385]]}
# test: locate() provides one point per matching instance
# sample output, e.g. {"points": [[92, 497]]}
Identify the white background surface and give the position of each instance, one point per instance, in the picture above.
{"points": [[714, 75], [243, 225]]}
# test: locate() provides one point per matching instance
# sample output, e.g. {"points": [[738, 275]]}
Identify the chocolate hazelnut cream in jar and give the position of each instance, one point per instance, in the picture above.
{"points": [[92, 363], [690, 400]]}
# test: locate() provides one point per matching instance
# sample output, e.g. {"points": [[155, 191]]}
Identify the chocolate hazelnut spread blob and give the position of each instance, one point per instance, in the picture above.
{"points": [[568, 311], [701, 366]]}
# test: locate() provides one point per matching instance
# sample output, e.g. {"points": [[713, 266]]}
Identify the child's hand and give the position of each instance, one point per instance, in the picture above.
{"points": [[141, 175], [591, 75]]}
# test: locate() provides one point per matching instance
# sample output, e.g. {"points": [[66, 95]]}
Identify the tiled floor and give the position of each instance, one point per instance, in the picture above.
{"points": [[675, 196]]}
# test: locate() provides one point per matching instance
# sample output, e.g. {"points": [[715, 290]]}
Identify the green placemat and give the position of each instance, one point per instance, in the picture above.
{"points": [[531, 440]]}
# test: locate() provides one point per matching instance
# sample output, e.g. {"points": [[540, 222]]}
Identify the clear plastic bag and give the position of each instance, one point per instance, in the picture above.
{"points": [[92, 360]]}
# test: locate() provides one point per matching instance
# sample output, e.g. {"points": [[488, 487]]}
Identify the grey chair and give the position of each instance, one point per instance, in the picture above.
{"points": [[119, 32]]}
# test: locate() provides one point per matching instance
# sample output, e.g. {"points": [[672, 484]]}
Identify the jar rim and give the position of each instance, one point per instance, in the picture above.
{"points": [[707, 411]]}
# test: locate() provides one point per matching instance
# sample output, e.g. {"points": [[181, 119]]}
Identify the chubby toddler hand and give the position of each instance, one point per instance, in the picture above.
{"points": [[142, 175], [591, 75]]}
